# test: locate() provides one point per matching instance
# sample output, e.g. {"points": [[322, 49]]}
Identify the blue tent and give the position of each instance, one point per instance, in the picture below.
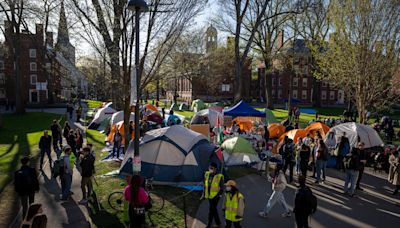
{"points": [[172, 155], [243, 109], [294, 100]]}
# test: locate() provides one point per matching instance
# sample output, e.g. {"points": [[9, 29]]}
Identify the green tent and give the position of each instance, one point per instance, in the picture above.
{"points": [[198, 105], [270, 117], [239, 151]]}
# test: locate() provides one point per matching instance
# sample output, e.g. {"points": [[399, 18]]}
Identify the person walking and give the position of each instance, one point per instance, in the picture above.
{"points": [[66, 130], [344, 149], [304, 155], [56, 135], [213, 188], [363, 161], [26, 183], [233, 205], [278, 185], [87, 165], [137, 197], [78, 114], [321, 160], [117, 141], [288, 156], [45, 148], [70, 110], [72, 142], [351, 165], [299, 144], [303, 203], [66, 174], [394, 170]]}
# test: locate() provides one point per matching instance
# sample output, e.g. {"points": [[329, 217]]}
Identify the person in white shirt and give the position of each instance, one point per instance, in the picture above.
{"points": [[278, 185]]}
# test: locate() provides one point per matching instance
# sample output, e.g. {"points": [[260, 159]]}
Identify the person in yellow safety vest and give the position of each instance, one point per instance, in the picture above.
{"points": [[213, 188], [233, 205]]}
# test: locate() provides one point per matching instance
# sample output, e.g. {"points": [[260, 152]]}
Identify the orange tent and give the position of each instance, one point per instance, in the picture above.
{"points": [[151, 107], [294, 135], [245, 125], [313, 128], [276, 130], [120, 127]]}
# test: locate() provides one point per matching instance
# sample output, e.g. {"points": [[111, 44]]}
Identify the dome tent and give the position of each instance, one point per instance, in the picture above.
{"points": [[357, 132], [276, 130], [209, 116], [239, 151], [172, 155], [198, 105], [101, 115], [119, 116], [313, 128], [243, 109]]}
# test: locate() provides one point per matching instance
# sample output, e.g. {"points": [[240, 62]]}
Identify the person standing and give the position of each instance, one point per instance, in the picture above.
{"points": [[66, 130], [87, 165], [79, 139], [299, 144], [70, 110], [288, 156], [321, 159], [45, 148], [305, 153], [303, 204], [351, 165], [66, 174], [56, 135], [72, 142], [213, 188], [233, 205], [26, 184], [394, 171], [278, 185], [363, 161], [117, 141], [137, 197], [344, 149], [78, 114]]}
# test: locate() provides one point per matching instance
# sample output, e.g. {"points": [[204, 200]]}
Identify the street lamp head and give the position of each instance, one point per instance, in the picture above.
{"points": [[140, 5]]}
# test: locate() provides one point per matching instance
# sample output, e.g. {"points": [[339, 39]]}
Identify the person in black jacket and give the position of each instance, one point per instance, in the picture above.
{"points": [[87, 166], [302, 208], [26, 184], [72, 142], [45, 148], [56, 135]]}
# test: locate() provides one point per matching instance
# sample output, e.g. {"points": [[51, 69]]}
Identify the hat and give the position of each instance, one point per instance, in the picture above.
{"points": [[231, 183], [66, 147]]}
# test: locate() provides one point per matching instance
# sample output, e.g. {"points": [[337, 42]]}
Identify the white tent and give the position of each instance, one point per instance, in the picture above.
{"points": [[208, 116], [119, 116], [355, 132], [101, 115]]}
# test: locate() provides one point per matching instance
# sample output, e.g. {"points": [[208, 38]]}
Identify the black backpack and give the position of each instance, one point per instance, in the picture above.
{"points": [[58, 168], [349, 162], [287, 152], [310, 201]]}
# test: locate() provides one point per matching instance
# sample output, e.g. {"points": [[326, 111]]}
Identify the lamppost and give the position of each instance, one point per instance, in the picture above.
{"points": [[137, 6]]}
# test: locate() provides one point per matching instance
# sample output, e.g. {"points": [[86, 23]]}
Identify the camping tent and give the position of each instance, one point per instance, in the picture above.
{"points": [[155, 117], [120, 127], [151, 107], [270, 117], [183, 107], [119, 116], [239, 151], [294, 135], [100, 116], [104, 124], [208, 116], [172, 155], [244, 124], [198, 105], [243, 109], [276, 130], [108, 105], [173, 120], [313, 128], [355, 131]]}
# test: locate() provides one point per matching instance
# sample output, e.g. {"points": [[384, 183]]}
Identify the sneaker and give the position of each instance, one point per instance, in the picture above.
{"points": [[263, 214], [286, 215], [360, 189], [83, 201]]}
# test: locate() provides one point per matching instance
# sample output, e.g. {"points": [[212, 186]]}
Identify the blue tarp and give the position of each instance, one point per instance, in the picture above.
{"points": [[294, 100], [308, 110], [243, 109]]}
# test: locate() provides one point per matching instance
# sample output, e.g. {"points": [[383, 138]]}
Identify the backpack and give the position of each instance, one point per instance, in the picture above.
{"points": [[288, 152], [310, 201], [58, 168], [349, 162]]}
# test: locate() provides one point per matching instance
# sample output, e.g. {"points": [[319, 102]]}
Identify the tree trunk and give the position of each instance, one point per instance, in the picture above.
{"points": [[316, 96], [127, 107], [268, 85], [19, 102], [115, 76], [238, 80]]}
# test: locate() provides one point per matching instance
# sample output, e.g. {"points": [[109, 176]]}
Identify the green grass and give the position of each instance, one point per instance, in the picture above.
{"points": [[282, 114], [19, 137], [186, 114], [94, 104]]}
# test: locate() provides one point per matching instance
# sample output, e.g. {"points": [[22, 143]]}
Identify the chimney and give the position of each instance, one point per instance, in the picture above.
{"points": [[49, 39], [280, 39]]}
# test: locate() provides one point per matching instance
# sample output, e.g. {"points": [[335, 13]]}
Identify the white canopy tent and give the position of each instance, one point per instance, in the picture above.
{"points": [[119, 116]]}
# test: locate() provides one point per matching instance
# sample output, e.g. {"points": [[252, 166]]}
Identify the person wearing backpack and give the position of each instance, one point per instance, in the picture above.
{"points": [[278, 185], [305, 203], [288, 156], [351, 165], [26, 183], [321, 159]]}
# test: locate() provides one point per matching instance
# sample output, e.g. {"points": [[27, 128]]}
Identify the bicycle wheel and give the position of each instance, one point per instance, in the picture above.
{"points": [[157, 202], [116, 201]]}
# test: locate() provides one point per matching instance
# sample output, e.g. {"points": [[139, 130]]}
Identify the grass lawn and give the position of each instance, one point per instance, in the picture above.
{"points": [[19, 136], [94, 104]]}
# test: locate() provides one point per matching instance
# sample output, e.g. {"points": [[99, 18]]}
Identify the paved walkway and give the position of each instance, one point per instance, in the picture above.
{"points": [[61, 214], [374, 207]]}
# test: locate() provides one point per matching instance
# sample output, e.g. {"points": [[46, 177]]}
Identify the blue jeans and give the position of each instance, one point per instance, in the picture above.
{"points": [[116, 148], [351, 178], [66, 185], [321, 167]]}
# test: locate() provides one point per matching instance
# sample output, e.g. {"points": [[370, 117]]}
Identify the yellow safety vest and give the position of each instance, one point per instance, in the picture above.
{"points": [[215, 188], [231, 206]]}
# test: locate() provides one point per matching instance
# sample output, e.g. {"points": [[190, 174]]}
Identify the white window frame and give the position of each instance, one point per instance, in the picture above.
{"points": [[2, 65], [31, 77], [304, 82], [30, 95], [295, 93], [280, 81], [2, 93], [323, 95], [32, 53], [304, 95], [33, 66], [331, 95], [225, 87]]}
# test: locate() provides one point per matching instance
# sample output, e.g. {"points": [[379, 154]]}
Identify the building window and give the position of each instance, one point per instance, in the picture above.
{"points": [[323, 95], [1, 65], [304, 94], [33, 66], [273, 93], [2, 79], [273, 82], [280, 81], [295, 81], [305, 82], [295, 93], [279, 94], [2, 93], [32, 53], [225, 88], [324, 84], [332, 95], [33, 79]]}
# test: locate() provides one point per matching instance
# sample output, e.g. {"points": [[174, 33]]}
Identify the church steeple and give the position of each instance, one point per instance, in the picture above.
{"points": [[63, 44], [211, 39]]}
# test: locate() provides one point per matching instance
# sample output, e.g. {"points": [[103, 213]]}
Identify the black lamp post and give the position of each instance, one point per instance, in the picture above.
{"points": [[137, 6]]}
